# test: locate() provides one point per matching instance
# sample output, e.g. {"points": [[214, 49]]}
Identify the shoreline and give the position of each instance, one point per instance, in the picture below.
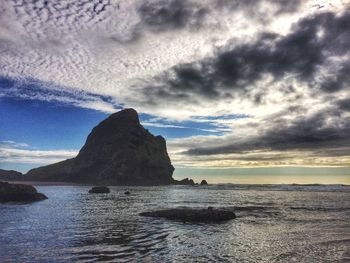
{"points": [[57, 183]]}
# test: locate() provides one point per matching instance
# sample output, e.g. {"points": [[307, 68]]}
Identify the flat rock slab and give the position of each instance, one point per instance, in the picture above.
{"points": [[99, 190], [19, 193], [192, 215]]}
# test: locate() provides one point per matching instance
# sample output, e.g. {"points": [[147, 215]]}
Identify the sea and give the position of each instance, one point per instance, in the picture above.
{"points": [[275, 223]]}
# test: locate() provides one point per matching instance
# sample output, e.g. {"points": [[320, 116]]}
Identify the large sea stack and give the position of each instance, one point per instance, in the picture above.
{"points": [[118, 151]]}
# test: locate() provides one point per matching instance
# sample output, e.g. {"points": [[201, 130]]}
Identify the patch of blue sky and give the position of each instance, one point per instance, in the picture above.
{"points": [[202, 125], [46, 125], [32, 89]]}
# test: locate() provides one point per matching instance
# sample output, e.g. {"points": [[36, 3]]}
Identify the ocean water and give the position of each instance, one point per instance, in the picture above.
{"points": [[275, 223]]}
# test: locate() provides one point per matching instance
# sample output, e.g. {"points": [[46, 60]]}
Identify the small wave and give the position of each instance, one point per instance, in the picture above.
{"points": [[325, 209], [336, 241], [286, 187]]}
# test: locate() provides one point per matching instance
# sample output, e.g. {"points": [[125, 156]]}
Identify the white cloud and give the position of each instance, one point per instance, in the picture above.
{"points": [[13, 144], [161, 125], [15, 152], [14, 155]]}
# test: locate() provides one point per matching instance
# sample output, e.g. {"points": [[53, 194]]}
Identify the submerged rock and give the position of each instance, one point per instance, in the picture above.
{"points": [[118, 151], [19, 193], [204, 182], [192, 215], [99, 190]]}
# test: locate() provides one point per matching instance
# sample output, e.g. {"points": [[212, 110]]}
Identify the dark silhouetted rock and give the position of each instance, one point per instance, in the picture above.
{"points": [[99, 190], [57, 172], [118, 151], [185, 181], [192, 215], [19, 193], [127, 193], [10, 175], [204, 182]]}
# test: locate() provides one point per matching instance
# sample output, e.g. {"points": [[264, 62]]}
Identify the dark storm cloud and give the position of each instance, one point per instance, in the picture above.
{"points": [[310, 133], [315, 52], [340, 79], [303, 52], [177, 14], [344, 104], [173, 14]]}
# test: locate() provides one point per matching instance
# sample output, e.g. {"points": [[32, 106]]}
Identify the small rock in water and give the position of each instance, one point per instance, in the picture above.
{"points": [[127, 193], [192, 215], [204, 182], [99, 190], [19, 193]]}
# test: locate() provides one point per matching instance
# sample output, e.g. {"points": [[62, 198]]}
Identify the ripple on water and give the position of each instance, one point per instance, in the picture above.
{"points": [[271, 226]]}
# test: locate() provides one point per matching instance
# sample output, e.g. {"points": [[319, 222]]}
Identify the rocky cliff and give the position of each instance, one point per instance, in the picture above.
{"points": [[118, 151]]}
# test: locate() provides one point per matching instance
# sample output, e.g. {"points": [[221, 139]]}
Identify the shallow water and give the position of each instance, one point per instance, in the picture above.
{"points": [[274, 224]]}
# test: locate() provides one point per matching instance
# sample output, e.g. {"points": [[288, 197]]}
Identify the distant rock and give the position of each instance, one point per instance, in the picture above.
{"points": [[19, 193], [118, 151], [127, 193], [10, 175], [192, 215], [185, 181], [99, 190], [204, 182]]}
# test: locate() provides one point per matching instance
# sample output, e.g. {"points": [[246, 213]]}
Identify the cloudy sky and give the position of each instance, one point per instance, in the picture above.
{"points": [[231, 84]]}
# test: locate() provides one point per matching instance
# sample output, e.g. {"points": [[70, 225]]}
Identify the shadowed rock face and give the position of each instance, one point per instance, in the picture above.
{"points": [[118, 151], [59, 172], [19, 193], [10, 175], [192, 215]]}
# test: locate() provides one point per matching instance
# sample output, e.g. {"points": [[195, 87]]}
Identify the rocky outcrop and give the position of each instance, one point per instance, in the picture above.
{"points": [[204, 182], [118, 151], [192, 215], [185, 181], [99, 190], [19, 193], [57, 172], [10, 175]]}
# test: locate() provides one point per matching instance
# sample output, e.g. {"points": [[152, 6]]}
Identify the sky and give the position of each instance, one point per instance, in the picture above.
{"points": [[243, 91]]}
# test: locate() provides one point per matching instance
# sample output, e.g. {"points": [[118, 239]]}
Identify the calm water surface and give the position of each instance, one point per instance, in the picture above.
{"points": [[274, 224]]}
